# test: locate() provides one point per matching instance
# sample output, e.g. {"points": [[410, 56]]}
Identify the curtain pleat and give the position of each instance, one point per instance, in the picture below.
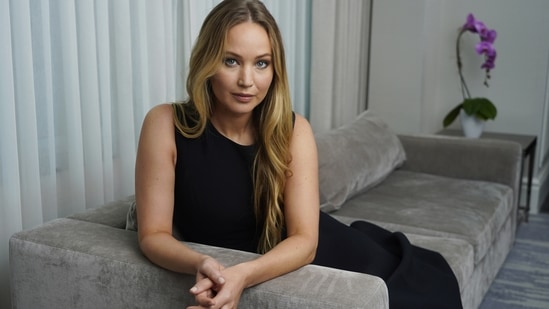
{"points": [[123, 96], [103, 48], [90, 104], [25, 115], [10, 187], [43, 85], [68, 116]]}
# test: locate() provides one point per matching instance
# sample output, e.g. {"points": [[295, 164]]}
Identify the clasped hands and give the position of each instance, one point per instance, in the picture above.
{"points": [[217, 287]]}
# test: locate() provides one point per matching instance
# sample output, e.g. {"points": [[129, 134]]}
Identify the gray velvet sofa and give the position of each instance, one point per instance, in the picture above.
{"points": [[453, 195]]}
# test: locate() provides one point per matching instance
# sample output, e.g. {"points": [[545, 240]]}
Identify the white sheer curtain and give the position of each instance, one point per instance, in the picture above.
{"points": [[339, 61], [77, 78]]}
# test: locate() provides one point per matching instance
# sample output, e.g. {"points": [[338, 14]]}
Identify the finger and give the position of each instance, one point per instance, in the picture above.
{"points": [[205, 299], [201, 286], [213, 271], [215, 275]]}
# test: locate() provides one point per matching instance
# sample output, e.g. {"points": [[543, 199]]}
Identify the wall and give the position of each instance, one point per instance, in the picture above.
{"points": [[413, 75]]}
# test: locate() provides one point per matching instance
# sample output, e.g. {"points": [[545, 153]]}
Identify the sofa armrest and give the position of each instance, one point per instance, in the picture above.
{"points": [[476, 159], [70, 263]]}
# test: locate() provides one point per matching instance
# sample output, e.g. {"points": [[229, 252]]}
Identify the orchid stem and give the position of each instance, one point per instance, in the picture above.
{"points": [[464, 89]]}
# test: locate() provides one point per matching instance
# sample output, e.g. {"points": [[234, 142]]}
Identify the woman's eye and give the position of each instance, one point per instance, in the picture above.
{"points": [[262, 64], [230, 62]]}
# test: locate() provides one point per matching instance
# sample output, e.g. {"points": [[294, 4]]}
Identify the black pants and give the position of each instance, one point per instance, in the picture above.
{"points": [[415, 277]]}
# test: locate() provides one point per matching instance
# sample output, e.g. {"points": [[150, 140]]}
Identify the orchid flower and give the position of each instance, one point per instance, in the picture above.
{"points": [[480, 107]]}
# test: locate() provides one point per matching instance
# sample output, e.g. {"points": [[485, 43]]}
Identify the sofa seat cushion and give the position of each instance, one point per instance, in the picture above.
{"points": [[426, 204], [458, 253]]}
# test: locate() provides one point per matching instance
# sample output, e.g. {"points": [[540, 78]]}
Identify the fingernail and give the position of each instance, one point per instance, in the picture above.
{"points": [[221, 280], [194, 289]]}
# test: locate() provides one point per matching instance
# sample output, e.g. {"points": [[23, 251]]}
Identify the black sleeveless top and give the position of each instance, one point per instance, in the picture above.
{"points": [[213, 191]]}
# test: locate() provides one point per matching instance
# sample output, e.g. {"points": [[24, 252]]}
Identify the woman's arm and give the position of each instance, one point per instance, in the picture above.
{"points": [[301, 210], [302, 214], [154, 190]]}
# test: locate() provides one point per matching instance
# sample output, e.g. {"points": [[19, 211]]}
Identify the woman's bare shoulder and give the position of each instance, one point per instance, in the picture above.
{"points": [[157, 131], [160, 112], [301, 125]]}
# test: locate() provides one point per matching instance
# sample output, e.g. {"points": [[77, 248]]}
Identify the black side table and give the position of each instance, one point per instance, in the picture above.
{"points": [[528, 144]]}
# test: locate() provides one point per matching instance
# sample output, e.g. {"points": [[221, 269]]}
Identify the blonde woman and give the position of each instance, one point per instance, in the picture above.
{"points": [[234, 167]]}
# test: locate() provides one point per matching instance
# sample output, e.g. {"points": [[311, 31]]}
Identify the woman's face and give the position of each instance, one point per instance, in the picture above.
{"points": [[243, 79]]}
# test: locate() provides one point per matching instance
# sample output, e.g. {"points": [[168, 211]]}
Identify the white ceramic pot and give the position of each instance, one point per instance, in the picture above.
{"points": [[471, 125]]}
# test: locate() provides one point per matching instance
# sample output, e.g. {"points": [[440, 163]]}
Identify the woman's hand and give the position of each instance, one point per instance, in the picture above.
{"points": [[208, 280], [225, 295]]}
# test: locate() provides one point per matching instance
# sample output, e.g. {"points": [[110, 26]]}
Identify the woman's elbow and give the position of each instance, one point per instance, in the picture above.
{"points": [[312, 250], [144, 245], [150, 244]]}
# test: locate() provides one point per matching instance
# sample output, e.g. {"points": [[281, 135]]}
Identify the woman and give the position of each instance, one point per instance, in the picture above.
{"points": [[233, 166]]}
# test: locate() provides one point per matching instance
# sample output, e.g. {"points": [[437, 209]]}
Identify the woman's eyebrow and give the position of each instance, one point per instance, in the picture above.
{"points": [[264, 55], [233, 54]]}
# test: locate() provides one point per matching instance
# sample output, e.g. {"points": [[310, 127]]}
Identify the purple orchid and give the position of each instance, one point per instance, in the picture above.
{"points": [[470, 23], [489, 36], [481, 108], [489, 62], [474, 25], [489, 51], [480, 28], [484, 47]]}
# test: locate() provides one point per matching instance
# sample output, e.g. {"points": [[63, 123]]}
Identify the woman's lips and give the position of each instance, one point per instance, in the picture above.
{"points": [[243, 97]]}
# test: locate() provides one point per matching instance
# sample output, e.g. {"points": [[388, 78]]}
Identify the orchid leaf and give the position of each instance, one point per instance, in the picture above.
{"points": [[452, 115], [480, 107]]}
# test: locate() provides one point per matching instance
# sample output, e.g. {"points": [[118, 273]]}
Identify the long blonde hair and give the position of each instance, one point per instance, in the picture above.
{"points": [[272, 118]]}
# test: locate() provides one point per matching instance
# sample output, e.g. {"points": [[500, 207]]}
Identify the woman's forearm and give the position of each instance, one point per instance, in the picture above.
{"points": [[167, 252], [289, 255]]}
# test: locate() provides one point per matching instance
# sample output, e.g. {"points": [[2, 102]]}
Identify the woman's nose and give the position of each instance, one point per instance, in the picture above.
{"points": [[245, 78]]}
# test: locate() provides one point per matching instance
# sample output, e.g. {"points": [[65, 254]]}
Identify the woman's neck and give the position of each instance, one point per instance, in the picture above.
{"points": [[239, 129]]}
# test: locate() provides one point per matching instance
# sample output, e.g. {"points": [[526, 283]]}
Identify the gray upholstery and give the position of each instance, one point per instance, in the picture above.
{"points": [[111, 214], [354, 158], [453, 195], [418, 203], [473, 159], [68, 263]]}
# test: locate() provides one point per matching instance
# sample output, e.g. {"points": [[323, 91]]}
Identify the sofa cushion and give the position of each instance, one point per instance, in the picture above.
{"points": [[427, 204], [112, 214], [354, 158], [131, 217], [457, 252], [131, 220]]}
